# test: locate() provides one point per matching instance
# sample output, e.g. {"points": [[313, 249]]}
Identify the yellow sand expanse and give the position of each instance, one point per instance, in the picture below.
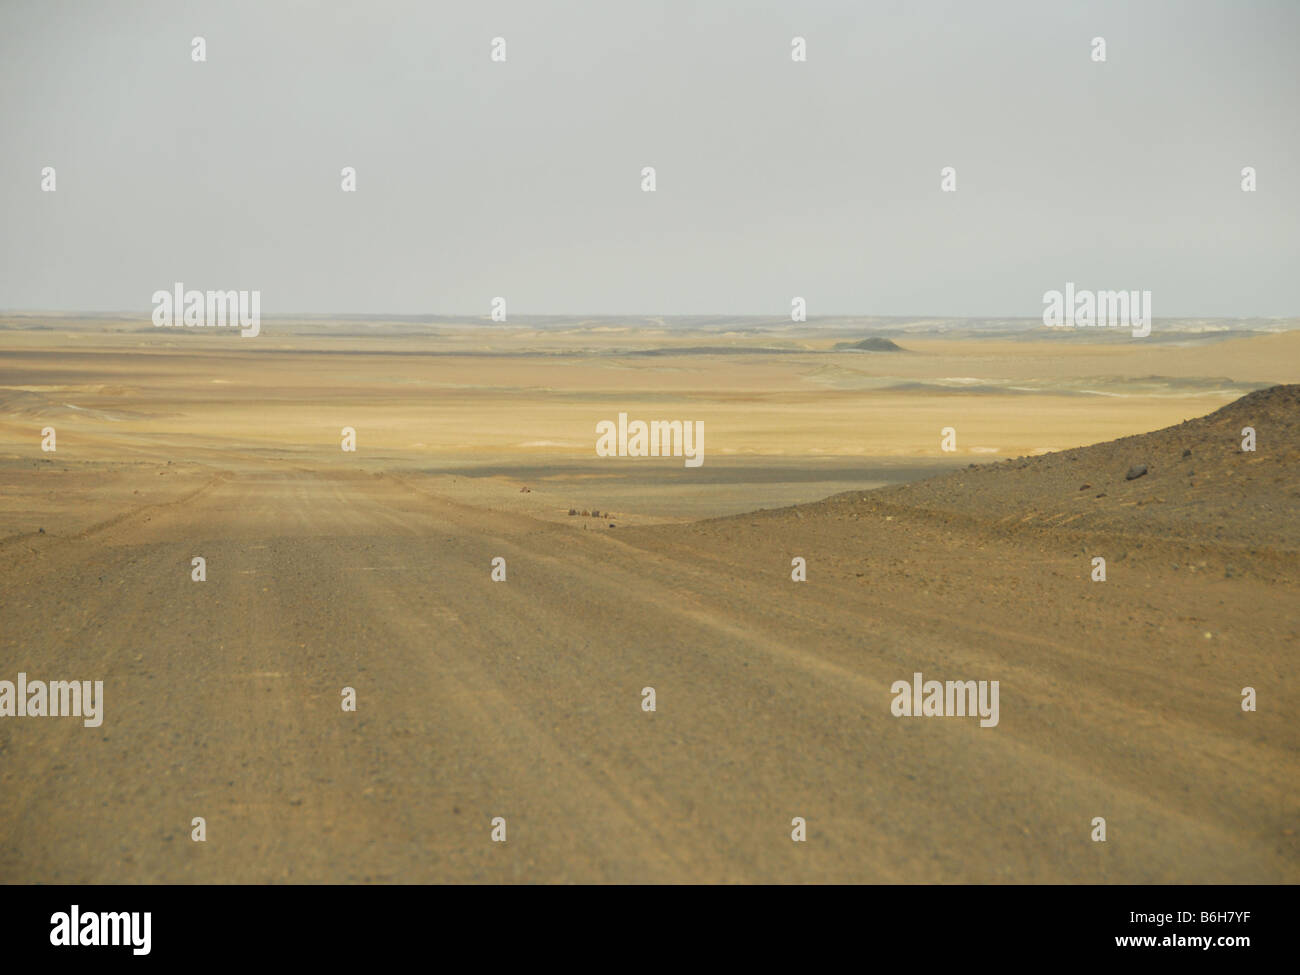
{"points": [[371, 570], [192, 396]]}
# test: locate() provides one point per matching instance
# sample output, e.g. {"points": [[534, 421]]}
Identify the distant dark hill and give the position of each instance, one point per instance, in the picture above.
{"points": [[875, 343]]}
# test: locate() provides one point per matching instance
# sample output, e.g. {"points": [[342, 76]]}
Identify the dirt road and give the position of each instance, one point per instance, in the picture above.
{"points": [[522, 699]]}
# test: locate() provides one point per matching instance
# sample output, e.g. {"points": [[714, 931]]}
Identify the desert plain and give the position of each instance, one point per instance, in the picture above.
{"points": [[522, 699]]}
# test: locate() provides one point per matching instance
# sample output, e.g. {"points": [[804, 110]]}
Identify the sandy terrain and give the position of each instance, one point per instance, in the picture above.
{"points": [[521, 699]]}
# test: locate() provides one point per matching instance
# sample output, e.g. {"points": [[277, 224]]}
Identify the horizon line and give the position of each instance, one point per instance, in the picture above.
{"points": [[486, 319]]}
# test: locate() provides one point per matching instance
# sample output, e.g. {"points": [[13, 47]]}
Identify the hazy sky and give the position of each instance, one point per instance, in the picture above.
{"points": [[775, 179]]}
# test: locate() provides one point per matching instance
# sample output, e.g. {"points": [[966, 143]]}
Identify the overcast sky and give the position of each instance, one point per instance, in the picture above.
{"points": [[523, 179]]}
